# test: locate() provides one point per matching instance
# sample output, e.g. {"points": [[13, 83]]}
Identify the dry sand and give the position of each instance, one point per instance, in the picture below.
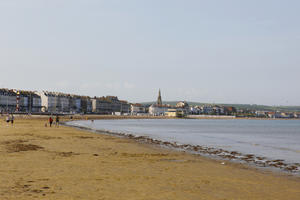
{"points": [[38, 162]]}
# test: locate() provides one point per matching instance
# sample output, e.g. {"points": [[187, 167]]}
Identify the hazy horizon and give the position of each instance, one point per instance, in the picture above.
{"points": [[235, 52]]}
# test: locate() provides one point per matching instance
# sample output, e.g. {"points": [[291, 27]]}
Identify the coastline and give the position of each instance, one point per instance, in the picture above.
{"points": [[103, 117], [262, 163], [65, 163]]}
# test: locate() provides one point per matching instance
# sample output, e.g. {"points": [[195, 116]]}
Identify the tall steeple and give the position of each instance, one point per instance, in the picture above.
{"points": [[159, 101]]}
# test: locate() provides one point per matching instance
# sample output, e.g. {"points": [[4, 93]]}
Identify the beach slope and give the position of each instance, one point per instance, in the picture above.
{"points": [[38, 162]]}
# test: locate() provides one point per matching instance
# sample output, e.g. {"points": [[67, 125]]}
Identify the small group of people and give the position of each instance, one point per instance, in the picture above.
{"points": [[10, 118], [56, 121]]}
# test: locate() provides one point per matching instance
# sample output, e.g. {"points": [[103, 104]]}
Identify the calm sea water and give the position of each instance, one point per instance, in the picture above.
{"points": [[274, 139]]}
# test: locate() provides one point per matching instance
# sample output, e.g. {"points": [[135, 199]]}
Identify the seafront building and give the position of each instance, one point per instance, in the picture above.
{"points": [[176, 112], [54, 102], [86, 105], [183, 108], [48, 101], [57, 102], [125, 107], [158, 108], [208, 109], [19, 101], [62, 103], [109, 105], [8, 100], [35, 101], [137, 109], [75, 104], [114, 103], [29, 102], [101, 106]]}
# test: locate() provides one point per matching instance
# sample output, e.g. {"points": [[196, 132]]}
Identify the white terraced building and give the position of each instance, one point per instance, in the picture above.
{"points": [[158, 110], [137, 109], [48, 101], [19, 101], [54, 102]]}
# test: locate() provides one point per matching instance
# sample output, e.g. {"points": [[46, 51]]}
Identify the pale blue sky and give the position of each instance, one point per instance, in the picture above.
{"points": [[213, 51]]}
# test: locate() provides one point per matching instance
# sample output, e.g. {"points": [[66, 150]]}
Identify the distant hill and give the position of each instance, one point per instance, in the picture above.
{"points": [[240, 106]]}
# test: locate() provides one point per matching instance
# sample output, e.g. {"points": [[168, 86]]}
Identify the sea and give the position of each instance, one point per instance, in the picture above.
{"points": [[266, 143]]}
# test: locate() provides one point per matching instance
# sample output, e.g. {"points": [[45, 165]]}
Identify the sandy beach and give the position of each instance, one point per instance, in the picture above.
{"points": [[39, 162]]}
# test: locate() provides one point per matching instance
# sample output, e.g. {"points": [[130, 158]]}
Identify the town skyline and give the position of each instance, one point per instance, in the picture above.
{"points": [[46, 102], [155, 99]]}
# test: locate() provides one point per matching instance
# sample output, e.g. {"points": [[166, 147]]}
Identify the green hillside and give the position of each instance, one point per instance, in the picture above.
{"points": [[240, 106]]}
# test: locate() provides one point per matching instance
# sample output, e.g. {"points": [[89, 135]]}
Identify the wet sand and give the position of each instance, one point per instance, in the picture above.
{"points": [[38, 162]]}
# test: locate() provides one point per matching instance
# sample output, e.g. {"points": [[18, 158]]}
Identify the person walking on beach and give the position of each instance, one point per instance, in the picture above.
{"points": [[12, 119], [7, 119], [50, 121], [57, 121]]}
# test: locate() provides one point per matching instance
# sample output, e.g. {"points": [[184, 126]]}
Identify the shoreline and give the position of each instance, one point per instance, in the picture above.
{"points": [[95, 116], [66, 163], [262, 163]]}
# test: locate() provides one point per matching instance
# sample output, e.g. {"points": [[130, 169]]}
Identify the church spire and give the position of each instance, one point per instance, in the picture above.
{"points": [[159, 101]]}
